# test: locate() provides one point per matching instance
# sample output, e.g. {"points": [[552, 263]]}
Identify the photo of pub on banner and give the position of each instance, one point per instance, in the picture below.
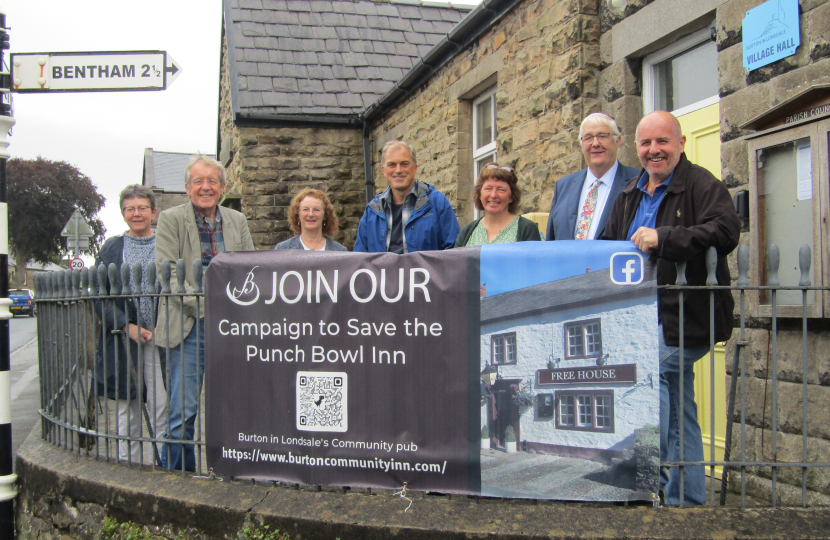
{"points": [[570, 389]]}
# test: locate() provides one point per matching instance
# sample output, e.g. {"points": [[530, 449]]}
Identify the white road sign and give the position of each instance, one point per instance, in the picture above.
{"points": [[76, 264], [93, 71]]}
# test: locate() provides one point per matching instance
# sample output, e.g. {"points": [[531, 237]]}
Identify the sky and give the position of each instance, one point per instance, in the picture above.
{"points": [[104, 134]]}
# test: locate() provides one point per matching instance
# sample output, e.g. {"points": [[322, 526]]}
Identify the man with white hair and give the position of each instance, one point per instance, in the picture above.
{"points": [[409, 215], [582, 201], [196, 230]]}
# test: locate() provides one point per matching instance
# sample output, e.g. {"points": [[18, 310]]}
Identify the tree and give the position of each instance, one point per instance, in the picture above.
{"points": [[42, 196]]}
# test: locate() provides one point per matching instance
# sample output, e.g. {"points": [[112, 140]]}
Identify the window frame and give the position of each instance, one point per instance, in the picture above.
{"points": [[651, 80], [566, 345], [503, 337], [608, 394], [490, 148], [818, 132]]}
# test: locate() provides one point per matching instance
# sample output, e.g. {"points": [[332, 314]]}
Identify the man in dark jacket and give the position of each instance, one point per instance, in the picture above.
{"points": [[675, 211]]}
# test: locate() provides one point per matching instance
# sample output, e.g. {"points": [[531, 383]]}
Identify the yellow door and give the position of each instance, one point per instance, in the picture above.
{"points": [[702, 131]]}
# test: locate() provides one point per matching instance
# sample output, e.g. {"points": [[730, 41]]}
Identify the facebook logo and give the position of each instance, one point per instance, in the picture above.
{"points": [[626, 268]]}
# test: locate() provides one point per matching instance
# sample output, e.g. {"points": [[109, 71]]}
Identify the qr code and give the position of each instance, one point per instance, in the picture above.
{"points": [[322, 401]]}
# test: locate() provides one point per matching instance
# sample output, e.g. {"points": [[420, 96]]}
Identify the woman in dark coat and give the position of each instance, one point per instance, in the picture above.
{"points": [[128, 366]]}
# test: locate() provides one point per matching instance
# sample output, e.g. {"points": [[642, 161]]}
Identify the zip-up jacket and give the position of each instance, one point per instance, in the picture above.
{"points": [[431, 226], [695, 213]]}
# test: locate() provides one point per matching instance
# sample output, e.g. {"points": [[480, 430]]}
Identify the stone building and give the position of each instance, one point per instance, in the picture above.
{"points": [[296, 80], [311, 90]]}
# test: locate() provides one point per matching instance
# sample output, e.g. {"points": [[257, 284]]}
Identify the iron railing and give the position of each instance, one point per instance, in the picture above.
{"points": [[75, 411], [76, 417]]}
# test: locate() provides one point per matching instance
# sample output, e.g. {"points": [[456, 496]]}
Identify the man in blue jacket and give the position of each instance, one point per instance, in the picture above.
{"points": [[409, 215]]}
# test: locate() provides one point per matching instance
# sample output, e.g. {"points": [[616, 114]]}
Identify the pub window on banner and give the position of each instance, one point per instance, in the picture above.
{"points": [[583, 339], [503, 348], [585, 410]]}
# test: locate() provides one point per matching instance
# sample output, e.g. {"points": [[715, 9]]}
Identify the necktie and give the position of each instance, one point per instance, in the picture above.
{"points": [[584, 222]]}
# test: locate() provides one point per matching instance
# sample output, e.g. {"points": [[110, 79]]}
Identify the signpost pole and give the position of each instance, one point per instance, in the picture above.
{"points": [[7, 478], [77, 245]]}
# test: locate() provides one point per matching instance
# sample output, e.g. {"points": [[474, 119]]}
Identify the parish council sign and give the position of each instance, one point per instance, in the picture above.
{"points": [[771, 32]]}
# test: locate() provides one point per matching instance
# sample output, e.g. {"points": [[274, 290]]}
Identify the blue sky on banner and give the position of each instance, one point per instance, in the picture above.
{"points": [[508, 267]]}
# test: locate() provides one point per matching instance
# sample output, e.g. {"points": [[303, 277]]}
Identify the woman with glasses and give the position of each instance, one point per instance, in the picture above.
{"points": [[128, 367], [312, 219], [498, 195]]}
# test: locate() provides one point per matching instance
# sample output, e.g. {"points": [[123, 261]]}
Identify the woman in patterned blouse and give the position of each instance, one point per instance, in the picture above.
{"points": [[498, 194]]}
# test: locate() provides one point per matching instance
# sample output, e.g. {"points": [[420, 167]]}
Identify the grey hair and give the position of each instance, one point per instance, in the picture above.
{"points": [[392, 144], [137, 191], [204, 160], [600, 118]]}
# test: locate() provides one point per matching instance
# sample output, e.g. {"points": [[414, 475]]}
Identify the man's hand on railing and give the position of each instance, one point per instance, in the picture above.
{"points": [[134, 332]]}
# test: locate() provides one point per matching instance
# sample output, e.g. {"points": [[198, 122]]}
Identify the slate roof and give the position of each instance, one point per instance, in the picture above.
{"points": [[586, 289], [165, 170], [327, 58]]}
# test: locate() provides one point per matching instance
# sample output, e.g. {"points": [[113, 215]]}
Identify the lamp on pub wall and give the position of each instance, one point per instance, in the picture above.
{"points": [[489, 375]]}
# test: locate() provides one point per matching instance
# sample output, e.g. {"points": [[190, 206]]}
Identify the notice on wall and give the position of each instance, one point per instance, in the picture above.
{"points": [[804, 166], [366, 370]]}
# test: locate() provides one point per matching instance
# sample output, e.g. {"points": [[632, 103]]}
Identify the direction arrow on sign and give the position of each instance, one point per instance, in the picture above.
{"points": [[93, 71]]}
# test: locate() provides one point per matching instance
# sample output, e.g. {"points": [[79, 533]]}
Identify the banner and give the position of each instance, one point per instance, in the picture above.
{"points": [[379, 370]]}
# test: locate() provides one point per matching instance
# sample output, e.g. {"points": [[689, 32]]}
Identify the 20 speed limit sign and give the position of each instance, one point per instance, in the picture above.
{"points": [[76, 264]]}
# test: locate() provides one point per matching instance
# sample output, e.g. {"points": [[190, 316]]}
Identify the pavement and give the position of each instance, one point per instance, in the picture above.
{"points": [[25, 381], [538, 476]]}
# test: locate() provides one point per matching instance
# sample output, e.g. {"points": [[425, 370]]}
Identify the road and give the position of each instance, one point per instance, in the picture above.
{"points": [[24, 378]]}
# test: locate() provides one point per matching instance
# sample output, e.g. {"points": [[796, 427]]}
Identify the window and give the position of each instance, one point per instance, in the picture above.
{"points": [[585, 410], [503, 348], [788, 201], [484, 131], [683, 77], [583, 339]]}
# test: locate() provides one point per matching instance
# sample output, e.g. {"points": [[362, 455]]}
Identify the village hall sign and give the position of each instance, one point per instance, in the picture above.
{"points": [[771, 32]]}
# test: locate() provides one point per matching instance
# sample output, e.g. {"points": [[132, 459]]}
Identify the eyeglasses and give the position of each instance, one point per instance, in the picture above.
{"points": [[199, 182], [133, 209], [601, 137], [499, 167]]}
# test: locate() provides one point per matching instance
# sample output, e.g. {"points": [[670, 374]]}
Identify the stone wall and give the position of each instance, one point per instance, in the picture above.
{"points": [[68, 496], [743, 97], [548, 57], [268, 165], [273, 164]]}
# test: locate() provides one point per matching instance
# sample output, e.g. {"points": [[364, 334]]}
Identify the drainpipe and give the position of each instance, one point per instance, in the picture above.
{"points": [[367, 163]]}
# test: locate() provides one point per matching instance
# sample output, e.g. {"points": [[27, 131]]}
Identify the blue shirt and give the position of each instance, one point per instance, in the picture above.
{"points": [[646, 215]]}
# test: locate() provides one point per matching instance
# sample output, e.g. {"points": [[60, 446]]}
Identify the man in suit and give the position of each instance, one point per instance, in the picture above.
{"points": [[196, 230], [582, 201]]}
